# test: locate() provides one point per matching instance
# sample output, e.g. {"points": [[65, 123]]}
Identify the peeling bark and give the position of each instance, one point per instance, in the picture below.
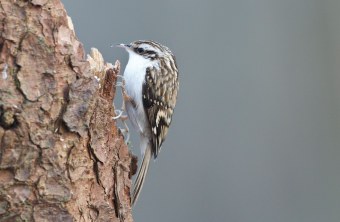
{"points": [[62, 157]]}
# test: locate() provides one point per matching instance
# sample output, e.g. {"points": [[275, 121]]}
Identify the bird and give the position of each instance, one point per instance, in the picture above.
{"points": [[150, 91]]}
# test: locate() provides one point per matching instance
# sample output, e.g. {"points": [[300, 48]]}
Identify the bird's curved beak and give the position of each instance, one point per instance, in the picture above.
{"points": [[122, 45]]}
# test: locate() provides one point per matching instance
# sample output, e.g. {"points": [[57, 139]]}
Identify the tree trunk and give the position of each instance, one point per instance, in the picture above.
{"points": [[62, 157]]}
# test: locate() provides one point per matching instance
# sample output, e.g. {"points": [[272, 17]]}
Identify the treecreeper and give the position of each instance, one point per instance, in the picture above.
{"points": [[150, 88]]}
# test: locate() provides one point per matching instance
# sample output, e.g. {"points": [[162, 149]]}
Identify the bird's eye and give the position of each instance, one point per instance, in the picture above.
{"points": [[140, 50]]}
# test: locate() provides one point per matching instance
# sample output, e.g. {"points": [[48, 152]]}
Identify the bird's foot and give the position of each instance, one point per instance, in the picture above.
{"points": [[121, 84], [125, 130], [119, 112], [126, 133]]}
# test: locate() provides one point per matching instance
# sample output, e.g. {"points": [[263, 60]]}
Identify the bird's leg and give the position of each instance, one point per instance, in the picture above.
{"points": [[119, 113], [126, 97]]}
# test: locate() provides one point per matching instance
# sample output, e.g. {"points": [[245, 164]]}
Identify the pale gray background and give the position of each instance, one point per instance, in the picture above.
{"points": [[256, 132]]}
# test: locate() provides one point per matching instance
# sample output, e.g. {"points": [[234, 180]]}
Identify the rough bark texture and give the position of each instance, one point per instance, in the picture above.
{"points": [[61, 156]]}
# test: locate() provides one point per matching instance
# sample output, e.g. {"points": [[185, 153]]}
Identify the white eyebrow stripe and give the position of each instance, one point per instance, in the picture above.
{"points": [[150, 48]]}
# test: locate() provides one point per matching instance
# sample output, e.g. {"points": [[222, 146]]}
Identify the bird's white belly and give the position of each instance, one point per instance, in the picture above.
{"points": [[134, 76]]}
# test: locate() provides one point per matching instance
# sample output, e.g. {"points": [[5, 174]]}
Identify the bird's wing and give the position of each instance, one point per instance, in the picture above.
{"points": [[159, 90]]}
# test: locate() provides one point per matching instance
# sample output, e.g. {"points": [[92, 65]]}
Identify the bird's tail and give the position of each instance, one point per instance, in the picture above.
{"points": [[141, 174]]}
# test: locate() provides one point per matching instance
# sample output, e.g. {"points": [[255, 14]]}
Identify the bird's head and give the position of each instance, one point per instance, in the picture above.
{"points": [[148, 49]]}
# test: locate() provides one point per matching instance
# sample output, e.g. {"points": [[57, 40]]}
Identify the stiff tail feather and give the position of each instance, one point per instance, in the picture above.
{"points": [[141, 175]]}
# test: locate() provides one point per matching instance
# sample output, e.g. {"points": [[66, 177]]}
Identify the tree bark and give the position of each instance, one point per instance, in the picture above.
{"points": [[62, 157]]}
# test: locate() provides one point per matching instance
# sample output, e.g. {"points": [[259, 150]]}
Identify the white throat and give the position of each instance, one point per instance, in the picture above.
{"points": [[135, 70], [138, 60], [134, 75]]}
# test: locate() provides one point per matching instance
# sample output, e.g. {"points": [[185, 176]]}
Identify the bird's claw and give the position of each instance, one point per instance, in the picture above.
{"points": [[125, 129], [118, 113]]}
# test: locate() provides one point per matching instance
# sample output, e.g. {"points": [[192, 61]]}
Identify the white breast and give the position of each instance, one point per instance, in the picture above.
{"points": [[134, 76]]}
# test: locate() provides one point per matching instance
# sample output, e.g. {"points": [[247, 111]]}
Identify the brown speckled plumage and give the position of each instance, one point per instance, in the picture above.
{"points": [[159, 99], [159, 90]]}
